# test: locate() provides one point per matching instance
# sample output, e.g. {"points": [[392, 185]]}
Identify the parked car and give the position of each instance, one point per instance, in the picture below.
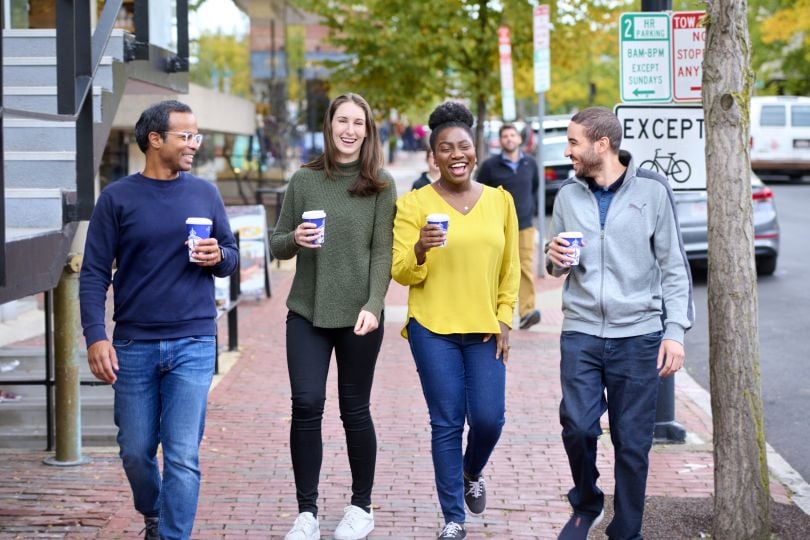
{"points": [[780, 135], [692, 212], [556, 167]]}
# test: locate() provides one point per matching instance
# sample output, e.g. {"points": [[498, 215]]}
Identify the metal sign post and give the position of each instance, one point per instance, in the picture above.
{"points": [[542, 82]]}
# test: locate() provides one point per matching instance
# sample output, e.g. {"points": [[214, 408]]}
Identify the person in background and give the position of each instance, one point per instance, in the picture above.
{"points": [[518, 174], [161, 359], [461, 302], [627, 306], [336, 304], [429, 176]]}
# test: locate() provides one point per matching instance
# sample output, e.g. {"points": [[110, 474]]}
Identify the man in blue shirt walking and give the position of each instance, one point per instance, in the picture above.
{"points": [[161, 359], [518, 174]]}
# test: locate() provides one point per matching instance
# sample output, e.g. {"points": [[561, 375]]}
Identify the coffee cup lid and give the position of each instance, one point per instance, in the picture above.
{"points": [[571, 234], [199, 221], [313, 214], [438, 217]]}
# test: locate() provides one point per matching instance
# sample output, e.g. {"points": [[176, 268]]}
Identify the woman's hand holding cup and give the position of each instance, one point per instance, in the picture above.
{"points": [[307, 235]]}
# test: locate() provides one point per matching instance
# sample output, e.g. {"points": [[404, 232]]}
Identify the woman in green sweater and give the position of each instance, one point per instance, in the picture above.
{"points": [[336, 303]]}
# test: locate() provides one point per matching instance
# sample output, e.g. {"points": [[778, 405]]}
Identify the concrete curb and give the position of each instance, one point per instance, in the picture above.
{"points": [[778, 467]]}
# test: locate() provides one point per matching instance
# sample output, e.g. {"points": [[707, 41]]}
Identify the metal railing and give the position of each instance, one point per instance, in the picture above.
{"points": [[79, 53], [230, 310]]}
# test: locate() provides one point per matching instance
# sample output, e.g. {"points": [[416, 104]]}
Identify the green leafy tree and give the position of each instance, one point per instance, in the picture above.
{"points": [[222, 63], [410, 55], [780, 32]]}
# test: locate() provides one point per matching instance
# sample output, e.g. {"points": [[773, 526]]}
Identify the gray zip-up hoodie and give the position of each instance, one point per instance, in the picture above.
{"points": [[634, 270]]}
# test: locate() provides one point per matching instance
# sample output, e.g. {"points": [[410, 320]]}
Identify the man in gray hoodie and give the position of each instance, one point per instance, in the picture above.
{"points": [[627, 306]]}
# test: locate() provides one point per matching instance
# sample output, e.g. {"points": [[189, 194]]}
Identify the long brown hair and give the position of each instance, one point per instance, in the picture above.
{"points": [[371, 157]]}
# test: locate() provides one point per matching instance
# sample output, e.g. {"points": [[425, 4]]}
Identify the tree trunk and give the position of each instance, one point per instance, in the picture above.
{"points": [[741, 469]]}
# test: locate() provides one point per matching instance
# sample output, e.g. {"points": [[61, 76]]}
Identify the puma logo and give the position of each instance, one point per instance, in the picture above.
{"points": [[639, 208]]}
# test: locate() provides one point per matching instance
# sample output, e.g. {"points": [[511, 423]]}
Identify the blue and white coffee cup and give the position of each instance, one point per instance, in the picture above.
{"points": [[318, 217], [574, 241], [442, 220], [197, 228]]}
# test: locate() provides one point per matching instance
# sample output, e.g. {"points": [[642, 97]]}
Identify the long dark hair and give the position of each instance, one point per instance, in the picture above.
{"points": [[371, 157]]}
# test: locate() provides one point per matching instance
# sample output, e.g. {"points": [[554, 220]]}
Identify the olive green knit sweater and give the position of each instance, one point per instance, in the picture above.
{"points": [[351, 270]]}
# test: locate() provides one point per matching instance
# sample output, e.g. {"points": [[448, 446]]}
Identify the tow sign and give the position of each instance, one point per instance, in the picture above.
{"points": [[688, 44]]}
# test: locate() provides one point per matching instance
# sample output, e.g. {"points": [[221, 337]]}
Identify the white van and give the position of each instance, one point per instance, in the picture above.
{"points": [[780, 135]]}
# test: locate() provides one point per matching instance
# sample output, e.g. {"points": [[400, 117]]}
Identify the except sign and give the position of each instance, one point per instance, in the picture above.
{"points": [[542, 50], [688, 43], [645, 57], [667, 139]]}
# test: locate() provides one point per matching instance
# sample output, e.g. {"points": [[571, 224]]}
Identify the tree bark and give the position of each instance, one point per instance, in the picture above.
{"points": [[741, 469]]}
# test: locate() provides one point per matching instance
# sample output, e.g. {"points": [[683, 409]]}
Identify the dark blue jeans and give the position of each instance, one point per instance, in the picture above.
{"points": [[461, 379], [626, 369]]}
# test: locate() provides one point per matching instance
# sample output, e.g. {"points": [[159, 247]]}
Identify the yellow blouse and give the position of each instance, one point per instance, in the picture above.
{"points": [[471, 283]]}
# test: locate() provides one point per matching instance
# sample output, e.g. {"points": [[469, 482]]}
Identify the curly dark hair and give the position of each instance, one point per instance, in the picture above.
{"points": [[449, 114]]}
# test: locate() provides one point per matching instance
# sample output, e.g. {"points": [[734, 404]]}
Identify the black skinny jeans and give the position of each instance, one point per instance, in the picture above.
{"points": [[309, 351]]}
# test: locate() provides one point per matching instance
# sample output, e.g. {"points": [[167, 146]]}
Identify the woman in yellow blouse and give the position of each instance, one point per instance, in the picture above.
{"points": [[460, 308]]}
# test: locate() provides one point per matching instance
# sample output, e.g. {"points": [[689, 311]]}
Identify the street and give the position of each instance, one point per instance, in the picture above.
{"points": [[784, 299]]}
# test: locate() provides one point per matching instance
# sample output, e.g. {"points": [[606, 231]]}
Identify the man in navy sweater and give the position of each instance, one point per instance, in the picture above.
{"points": [[161, 359], [518, 175]]}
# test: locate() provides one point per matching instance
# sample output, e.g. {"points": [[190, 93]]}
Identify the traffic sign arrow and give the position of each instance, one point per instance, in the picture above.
{"points": [[638, 92]]}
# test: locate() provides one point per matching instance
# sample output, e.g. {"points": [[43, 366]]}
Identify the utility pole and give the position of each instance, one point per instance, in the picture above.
{"points": [[66, 348]]}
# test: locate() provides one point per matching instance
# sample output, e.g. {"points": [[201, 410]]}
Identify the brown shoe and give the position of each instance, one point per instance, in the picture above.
{"points": [[530, 319]]}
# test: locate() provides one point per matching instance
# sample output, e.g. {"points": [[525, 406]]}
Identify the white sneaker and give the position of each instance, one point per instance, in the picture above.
{"points": [[355, 525], [305, 528]]}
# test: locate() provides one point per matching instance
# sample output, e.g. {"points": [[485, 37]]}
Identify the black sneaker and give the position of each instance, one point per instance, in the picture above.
{"points": [[475, 494], [579, 527], [452, 530], [150, 529], [530, 319]]}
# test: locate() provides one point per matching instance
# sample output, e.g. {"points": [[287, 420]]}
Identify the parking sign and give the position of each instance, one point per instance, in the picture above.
{"points": [[646, 74]]}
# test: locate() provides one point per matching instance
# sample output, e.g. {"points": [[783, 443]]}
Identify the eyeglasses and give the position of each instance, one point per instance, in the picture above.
{"points": [[187, 136]]}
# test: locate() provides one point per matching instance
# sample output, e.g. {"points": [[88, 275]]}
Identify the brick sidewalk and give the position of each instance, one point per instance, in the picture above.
{"points": [[248, 489]]}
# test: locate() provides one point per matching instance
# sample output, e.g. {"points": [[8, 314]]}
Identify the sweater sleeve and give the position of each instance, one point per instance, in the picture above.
{"points": [[96, 273], [282, 241], [225, 239], [381, 249], [407, 224], [509, 277], [675, 274]]}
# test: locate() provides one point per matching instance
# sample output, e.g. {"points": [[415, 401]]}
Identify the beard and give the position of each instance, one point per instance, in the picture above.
{"points": [[589, 164]]}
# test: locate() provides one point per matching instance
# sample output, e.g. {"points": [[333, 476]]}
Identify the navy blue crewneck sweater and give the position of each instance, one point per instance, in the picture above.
{"points": [[139, 223]]}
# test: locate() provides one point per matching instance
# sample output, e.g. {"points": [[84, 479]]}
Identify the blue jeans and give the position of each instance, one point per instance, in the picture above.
{"points": [[461, 379], [160, 397], [626, 368]]}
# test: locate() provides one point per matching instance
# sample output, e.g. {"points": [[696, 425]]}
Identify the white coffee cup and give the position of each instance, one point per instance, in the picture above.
{"points": [[574, 239], [442, 220], [197, 228], [318, 217]]}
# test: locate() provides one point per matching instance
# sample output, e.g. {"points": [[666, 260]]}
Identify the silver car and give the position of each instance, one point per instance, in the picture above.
{"points": [[693, 217]]}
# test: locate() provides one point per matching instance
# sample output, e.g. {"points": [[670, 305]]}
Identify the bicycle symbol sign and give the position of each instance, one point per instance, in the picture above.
{"points": [[667, 139], [677, 170]]}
